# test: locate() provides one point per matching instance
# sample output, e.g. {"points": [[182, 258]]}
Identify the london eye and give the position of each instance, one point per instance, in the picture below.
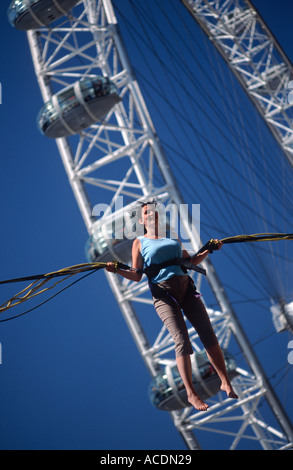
{"points": [[141, 103]]}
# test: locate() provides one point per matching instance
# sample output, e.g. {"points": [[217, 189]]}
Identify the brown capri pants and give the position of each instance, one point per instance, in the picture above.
{"points": [[179, 294]]}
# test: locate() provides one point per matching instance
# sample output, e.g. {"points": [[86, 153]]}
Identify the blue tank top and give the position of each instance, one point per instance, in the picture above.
{"points": [[158, 250]]}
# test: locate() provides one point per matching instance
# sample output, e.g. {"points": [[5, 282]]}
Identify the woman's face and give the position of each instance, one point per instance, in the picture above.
{"points": [[149, 215]]}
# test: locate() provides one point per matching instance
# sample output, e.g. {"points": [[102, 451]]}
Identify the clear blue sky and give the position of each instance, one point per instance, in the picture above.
{"points": [[71, 376]]}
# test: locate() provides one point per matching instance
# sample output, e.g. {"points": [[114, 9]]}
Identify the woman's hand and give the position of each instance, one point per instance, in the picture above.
{"points": [[218, 244], [111, 268], [130, 274], [199, 257]]}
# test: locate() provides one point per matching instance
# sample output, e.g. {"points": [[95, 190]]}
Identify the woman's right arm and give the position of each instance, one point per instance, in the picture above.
{"points": [[137, 264]]}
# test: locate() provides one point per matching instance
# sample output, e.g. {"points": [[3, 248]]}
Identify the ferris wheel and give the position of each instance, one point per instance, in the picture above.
{"points": [[95, 110]]}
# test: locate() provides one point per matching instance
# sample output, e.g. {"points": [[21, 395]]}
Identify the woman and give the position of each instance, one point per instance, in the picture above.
{"points": [[173, 291]]}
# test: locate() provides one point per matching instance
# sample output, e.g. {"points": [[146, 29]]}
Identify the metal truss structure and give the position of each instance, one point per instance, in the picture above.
{"points": [[249, 48], [122, 156]]}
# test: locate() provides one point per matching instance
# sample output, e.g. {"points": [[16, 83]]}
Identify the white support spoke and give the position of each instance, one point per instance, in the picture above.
{"points": [[250, 50], [121, 155], [111, 157]]}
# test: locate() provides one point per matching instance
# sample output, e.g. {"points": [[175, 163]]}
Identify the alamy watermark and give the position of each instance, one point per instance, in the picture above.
{"points": [[290, 95], [290, 355], [173, 220]]}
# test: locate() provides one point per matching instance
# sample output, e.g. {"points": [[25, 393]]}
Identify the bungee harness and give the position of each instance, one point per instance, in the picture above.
{"points": [[40, 280], [69, 271], [185, 264], [211, 245]]}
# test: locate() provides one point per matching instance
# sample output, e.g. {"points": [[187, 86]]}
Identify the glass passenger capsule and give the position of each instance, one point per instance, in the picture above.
{"points": [[103, 251], [167, 391], [32, 14], [112, 237], [77, 107]]}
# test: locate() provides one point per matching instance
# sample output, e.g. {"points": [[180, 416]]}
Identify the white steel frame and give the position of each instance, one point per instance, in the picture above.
{"points": [[87, 42], [248, 47]]}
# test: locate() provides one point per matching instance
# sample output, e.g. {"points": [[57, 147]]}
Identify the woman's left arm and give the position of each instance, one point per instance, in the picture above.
{"points": [[199, 257]]}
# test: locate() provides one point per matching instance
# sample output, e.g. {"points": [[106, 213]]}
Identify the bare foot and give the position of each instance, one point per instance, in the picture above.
{"points": [[197, 402], [229, 390]]}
